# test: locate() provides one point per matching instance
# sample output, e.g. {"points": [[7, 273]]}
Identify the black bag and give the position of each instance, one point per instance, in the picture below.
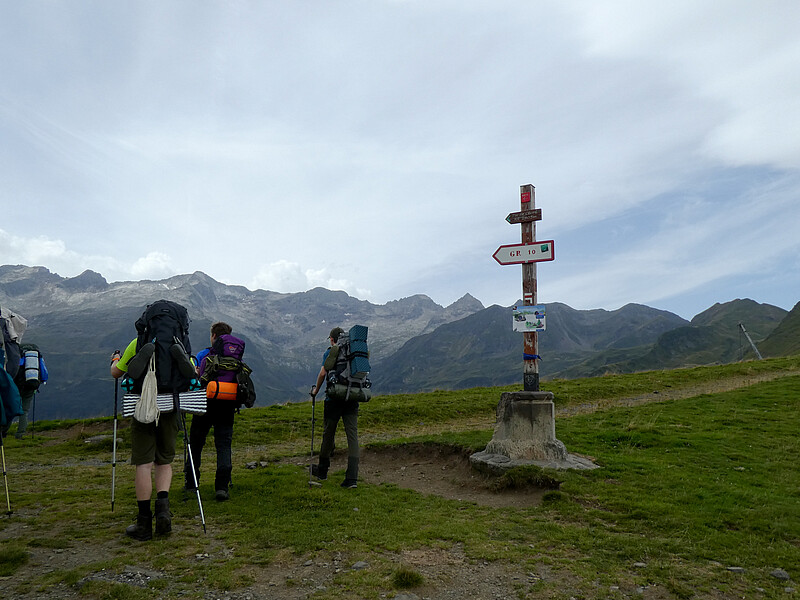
{"points": [[165, 324]]}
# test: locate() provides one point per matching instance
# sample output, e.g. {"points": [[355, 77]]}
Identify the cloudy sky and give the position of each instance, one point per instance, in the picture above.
{"points": [[376, 146]]}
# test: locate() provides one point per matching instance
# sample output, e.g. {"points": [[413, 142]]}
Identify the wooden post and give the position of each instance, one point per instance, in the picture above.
{"points": [[530, 371]]}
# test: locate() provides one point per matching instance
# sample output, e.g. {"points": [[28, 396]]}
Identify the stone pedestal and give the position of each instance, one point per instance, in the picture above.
{"points": [[525, 433]]}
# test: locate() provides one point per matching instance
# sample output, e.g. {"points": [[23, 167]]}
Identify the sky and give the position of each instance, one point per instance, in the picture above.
{"points": [[376, 146]]}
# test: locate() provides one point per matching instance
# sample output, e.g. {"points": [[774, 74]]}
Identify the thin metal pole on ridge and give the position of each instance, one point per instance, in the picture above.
{"points": [[5, 473]]}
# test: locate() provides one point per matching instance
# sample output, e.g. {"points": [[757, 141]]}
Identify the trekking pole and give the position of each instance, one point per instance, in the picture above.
{"points": [[311, 481], [114, 445], [5, 474], [191, 465]]}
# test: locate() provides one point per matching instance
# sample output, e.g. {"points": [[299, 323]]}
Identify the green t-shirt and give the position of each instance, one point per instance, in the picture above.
{"points": [[130, 352]]}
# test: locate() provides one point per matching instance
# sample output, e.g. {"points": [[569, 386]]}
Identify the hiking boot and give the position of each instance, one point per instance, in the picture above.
{"points": [[142, 530], [350, 484], [188, 482], [163, 517], [319, 473], [184, 362], [222, 495], [139, 363]]}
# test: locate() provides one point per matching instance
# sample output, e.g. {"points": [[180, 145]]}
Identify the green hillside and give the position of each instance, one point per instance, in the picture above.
{"points": [[696, 497], [712, 337], [785, 338]]}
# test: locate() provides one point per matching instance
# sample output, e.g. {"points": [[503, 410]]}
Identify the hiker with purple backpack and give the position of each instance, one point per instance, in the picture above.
{"points": [[221, 394]]}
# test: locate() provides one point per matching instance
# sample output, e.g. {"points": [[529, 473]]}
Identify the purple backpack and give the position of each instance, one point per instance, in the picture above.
{"points": [[228, 345]]}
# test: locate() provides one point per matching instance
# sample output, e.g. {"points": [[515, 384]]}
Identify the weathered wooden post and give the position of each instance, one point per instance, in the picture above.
{"points": [[525, 431]]}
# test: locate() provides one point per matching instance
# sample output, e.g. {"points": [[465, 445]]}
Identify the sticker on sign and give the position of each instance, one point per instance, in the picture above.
{"points": [[515, 254]]}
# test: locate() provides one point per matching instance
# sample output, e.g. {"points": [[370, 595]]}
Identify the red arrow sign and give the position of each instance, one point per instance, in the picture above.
{"points": [[516, 254]]}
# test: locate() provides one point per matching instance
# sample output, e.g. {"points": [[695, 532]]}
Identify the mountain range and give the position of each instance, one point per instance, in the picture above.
{"points": [[415, 344]]}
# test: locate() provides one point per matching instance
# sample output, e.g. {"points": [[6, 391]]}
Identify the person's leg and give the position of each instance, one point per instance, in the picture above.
{"points": [[27, 399], [350, 422], [163, 477], [143, 482], [330, 422], [143, 448], [198, 432], [166, 435], [223, 439]]}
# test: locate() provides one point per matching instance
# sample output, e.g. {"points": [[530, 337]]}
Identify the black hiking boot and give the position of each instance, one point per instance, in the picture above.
{"points": [[188, 483], [142, 530], [185, 364], [222, 495], [163, 517], [317, 472], [350, 484], [139, 363]]}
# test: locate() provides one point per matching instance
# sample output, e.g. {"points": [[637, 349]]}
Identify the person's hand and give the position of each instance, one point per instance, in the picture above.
{"points": [[313, 392], [116, 356]]}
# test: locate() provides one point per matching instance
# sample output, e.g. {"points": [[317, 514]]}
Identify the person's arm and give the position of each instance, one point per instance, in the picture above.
{"points": [[119, 366], [116, 373], [320, 379]]}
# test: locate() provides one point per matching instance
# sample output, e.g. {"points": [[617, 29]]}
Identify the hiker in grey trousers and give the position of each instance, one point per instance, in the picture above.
{"points": [[347, 411]]}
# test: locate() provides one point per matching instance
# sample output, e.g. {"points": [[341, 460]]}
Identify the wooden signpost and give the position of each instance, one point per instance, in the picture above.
{"points": [[528, 253], [525, 430]]}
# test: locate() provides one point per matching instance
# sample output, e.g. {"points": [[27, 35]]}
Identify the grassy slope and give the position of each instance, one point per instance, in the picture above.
{"points": [[688, 487]]}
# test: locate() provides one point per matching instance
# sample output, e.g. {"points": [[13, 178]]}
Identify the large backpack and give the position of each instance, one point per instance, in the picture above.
{"points": [[12, 326], [348, 367], [224, 364], [29, 376], [166, 325]]}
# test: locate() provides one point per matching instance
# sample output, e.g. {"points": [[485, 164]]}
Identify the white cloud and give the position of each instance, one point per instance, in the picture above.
{"points": [[286, 276], [156, 265]]}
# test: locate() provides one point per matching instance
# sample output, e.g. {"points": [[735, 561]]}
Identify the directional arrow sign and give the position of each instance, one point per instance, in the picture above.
{"points": [[515, 254], [525, 216]]}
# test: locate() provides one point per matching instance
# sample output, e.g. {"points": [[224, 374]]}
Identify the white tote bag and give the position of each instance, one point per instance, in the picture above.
{"points": [[146, 407]]}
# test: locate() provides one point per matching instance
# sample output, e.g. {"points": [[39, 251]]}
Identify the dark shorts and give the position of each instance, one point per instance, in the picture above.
{"points": [[154, 443]]}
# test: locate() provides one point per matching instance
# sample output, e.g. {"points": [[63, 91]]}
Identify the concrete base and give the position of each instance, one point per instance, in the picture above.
{"points": [[525, 433]]}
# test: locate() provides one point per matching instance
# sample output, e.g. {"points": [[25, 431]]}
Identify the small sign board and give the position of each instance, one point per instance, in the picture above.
{"points": [[515, 254], [529, 318], [525, 216]]}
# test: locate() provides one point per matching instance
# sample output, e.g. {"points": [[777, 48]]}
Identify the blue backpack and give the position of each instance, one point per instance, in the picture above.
{"points": [[348, 367]]}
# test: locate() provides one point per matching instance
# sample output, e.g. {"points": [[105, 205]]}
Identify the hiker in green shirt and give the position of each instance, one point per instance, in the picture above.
{"points": [[152, 452]]}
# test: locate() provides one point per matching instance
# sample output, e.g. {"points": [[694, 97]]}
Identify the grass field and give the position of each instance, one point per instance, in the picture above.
{"points": [[698, 497]]}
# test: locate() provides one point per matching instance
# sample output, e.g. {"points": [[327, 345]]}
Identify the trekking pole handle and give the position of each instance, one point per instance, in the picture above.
{"points": [[116, 356], [312, 393]]}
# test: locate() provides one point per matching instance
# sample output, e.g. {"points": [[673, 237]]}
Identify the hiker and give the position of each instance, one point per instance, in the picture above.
{"points": [[335, 409], [12, 326], [32, 373], [162, 327], [219, 412]]}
